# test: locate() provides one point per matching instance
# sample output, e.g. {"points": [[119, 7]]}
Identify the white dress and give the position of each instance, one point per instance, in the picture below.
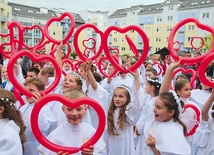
{"points": [[73, 136], [124, 143], [147, 114], [169, 136], [10, 143], [204, 137], [47, 123]]}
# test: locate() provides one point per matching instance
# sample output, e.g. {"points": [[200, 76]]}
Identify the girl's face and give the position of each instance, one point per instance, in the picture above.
{"points": [[148, 88], [162, 114], [74, 115], [110, 70], [70, 81], [120, 97], [4, 73], [83, 72], [185, 91], [66, 66], [148, 66]]}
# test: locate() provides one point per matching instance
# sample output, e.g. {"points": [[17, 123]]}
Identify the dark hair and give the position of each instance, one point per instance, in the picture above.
{"points": [[154, 81], [34, 70], [152, 70], [97, 77], [171, 104]]}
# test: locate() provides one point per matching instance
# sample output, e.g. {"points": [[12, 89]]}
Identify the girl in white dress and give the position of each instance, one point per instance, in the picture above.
{"points": [[120, 118], [11, 125], [152, 88], [166, 132], [204, 135], [74, 132]]}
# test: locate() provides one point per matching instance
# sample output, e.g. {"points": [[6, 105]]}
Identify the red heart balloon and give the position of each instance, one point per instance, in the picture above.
{"points": [[202, 43], [76, 46], [172, 35], [40, 58], [72, 104], [99, 64], [185, 71], [12, 50], [159, 67], [53, 50], [124, 30], [177, 43], [198, 113], [32, 28], [38, 48], [111, 49], [202, 70], [70, 63], [58, 19], [84, 42], [18, 96]]}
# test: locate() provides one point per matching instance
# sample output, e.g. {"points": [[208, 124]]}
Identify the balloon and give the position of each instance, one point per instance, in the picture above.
{"points": [[70, 63], [160, 68], [124, 30], [99, 64], [75, 41], [198, 113], [84, 42], [58, 19], [172, 35], [40, 58], [72, 104], [185, 71], [114, 49], [202, 70], [179, 45], [18, 96], [54, 50], [202, 43], [31, 28]]}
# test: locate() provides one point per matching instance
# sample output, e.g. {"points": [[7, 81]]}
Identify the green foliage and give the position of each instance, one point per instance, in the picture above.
{"points": [[73, 54], [208, 39]]}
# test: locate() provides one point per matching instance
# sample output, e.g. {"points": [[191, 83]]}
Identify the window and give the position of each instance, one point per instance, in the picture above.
{"points": [[133, 12], [191, 27], [148, 29], [169, 28], [159, 29], [157, 49], [124, 22], [131, 31], [115, 39], [205, 15], [158, 39], [189, 39], [123, 48], [170, 7], [159, 19], [170, 18]]}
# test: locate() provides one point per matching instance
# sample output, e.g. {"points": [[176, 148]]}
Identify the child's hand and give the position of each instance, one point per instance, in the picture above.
{"points": [[136, 131], [36, 96], [175, 64], [61, 153], [150, 141], [88, 65], [60, 47], [88, 151]]}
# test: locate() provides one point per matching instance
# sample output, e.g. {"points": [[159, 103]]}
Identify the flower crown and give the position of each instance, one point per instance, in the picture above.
{"points": [[7, 100], [77, 75], [155, 81], [178, 101]]}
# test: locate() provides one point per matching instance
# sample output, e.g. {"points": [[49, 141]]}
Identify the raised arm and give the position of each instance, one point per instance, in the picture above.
{"points": [[58, 54], [91, 78], [207, 106], [165, 86]]}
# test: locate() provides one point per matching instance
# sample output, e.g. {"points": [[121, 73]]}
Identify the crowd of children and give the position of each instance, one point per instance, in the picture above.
{"points": [[144, 114]]}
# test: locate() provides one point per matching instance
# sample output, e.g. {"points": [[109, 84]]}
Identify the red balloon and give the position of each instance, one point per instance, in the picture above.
{"points": [[40, 47], [202, 43], [198, 113], [172, 35], [132, 45], [40, 58], [75, 41], [84, 42], [159, 66], [99, 65], [125, 30], [202, 70], [31, 28], [70, 62], [185, 71], [114, 49], [18, 96], [72, 104], [58, 19]]}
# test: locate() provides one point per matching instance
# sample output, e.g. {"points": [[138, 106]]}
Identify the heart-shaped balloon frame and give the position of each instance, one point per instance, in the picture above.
{"points": [[72, 104]]}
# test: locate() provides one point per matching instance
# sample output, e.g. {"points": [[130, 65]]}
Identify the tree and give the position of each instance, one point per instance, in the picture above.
{"points": [[208, 40]]}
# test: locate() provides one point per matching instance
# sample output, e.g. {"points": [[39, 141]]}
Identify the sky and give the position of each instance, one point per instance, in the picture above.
{"points": [[93, 5]]}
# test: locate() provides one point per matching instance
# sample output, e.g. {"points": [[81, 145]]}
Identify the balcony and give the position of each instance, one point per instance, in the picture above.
{"points": [[4, 18], [27, 34]]}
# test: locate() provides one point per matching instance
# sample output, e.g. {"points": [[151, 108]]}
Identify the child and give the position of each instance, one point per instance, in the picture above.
{"points": [[11, 125], [74, 132], [47, 121], [152, 88], [32, 72], [204, 135], [121, 117], [165, 132]]}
